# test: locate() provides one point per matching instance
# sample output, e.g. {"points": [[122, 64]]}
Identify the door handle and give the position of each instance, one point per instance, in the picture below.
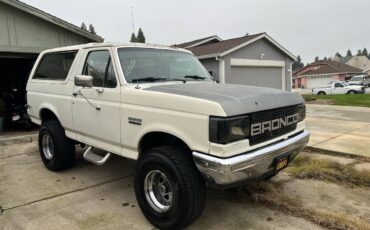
{"points": [[100, 90]]}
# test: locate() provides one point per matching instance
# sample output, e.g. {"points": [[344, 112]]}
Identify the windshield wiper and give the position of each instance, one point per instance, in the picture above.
{"points": [[148, 79], [176, 79], [196, 77]]}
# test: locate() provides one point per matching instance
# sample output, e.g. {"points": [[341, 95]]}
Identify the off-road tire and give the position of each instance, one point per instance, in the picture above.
{"points": [[64, 148], [189, 188], [321, 93]]}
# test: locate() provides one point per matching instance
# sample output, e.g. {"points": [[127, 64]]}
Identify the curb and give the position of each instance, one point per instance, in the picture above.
{"points": [[336, 153], [18, 139]]}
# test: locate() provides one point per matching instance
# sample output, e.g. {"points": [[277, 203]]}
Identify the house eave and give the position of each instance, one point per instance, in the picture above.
{"points": [[52, 19]]}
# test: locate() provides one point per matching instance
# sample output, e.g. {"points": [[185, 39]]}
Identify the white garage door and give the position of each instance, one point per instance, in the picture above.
{"points": [[257, 76], [318, 81]]}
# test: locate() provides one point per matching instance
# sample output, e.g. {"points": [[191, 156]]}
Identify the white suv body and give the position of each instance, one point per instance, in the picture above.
{"points": [[92, 94]]}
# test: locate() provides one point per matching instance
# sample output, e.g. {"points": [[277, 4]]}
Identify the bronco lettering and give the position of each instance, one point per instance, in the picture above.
{"points": [[268, 126]]}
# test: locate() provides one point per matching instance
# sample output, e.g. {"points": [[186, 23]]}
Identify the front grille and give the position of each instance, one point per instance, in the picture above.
{"points": [[269, 115]]}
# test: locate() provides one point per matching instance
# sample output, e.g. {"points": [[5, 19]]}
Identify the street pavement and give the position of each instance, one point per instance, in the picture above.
{"points": [[343, 129]]}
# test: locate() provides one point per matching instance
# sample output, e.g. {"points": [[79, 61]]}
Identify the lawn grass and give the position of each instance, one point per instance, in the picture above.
{"points": [[362, 100], [305, 167]]}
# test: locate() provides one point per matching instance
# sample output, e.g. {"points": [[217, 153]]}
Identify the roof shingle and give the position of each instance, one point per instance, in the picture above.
{"points": [[328, 67], [221, 46]]}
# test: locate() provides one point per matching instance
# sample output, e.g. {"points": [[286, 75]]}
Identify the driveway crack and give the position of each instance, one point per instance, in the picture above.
{"points": [[3, 210], [342, 134]]}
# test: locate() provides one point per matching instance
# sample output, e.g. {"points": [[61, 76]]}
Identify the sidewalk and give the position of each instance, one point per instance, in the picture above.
{"points": [[339, 128]]}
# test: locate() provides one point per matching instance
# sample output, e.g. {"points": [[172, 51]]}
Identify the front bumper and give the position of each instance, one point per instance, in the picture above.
{"points": [[249, 165]]}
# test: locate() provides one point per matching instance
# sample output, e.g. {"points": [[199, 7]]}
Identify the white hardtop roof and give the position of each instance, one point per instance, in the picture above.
{"points": [[113, 44]]}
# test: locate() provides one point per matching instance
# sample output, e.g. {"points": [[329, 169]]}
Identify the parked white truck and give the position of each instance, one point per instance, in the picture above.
{"points": [[360, 80], [159, 106], [338, 87]]}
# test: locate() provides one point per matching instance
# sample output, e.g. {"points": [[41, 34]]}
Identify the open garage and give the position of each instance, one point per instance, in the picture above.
{"points": [[25, 32]]}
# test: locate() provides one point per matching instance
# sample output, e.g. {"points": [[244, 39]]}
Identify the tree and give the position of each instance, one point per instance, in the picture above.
{"points": [[359, 53], [297, 64], [349, 53], [83, 26], [140, 36], [133, 38], [337, 54], [92, 29], [317, 58], [325, 59], [364, 52]]}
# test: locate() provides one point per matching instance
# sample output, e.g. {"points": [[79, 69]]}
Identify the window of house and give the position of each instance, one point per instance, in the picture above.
{"points": [[99, 65], [55, 66]]}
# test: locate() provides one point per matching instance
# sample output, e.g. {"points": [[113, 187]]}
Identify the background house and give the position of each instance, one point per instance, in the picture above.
{"points": [[26, 31], [361, 62], [249, 60], [320, 73]]}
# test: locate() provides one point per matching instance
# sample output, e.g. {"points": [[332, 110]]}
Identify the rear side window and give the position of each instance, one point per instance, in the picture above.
{"points": [[55, 66]]}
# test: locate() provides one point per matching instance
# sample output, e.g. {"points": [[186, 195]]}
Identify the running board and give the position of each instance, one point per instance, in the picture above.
{"points": [[90, 156]]}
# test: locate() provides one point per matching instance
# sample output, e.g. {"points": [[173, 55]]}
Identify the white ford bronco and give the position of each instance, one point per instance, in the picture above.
{"points": [[159, 106]]}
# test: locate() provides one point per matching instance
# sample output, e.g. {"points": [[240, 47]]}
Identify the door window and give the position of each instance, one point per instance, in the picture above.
{"points": [[99, 66], [338, 85]]}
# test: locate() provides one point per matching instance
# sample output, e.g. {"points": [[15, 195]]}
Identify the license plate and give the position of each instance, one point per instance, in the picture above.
{"points": [[16, 118], [281, 163]]}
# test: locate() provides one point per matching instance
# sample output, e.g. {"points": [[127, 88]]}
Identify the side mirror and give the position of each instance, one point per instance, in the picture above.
{"points": [[84, 81]]}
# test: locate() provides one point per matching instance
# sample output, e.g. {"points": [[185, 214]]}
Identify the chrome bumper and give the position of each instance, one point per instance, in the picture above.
{"points": [[249, 165]]}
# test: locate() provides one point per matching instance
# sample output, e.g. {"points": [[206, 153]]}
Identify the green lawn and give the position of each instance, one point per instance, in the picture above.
{"points": [[362, 100]]}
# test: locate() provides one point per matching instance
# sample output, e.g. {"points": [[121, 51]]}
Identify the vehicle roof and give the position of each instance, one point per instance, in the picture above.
{"points": [[114, 44]]}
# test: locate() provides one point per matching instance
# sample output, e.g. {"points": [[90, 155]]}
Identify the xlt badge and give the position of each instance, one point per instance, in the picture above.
{"points": [[135, 121]]}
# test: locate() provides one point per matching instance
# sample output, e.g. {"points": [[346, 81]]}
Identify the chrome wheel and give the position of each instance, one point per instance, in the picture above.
{"points": [[47, 146], [158, 191]]}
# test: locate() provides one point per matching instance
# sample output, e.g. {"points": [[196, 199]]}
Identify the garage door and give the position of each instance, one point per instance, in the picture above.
{"points": [[318, 81], [257, 76]]}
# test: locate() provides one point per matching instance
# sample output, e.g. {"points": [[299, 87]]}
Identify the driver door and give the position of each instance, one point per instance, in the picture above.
{"points": [[96, 110], [339, 88]]}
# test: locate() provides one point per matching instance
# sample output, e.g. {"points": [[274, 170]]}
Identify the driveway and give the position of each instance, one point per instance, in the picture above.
{"points": [[102, 197], [339, 128]]}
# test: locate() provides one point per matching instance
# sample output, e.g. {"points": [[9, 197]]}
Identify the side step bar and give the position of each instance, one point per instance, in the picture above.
{"points": [[90, 156]]}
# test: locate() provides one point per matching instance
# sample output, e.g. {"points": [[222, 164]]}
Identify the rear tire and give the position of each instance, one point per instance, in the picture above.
{"points": [[321, 93], [169, 188], [56, 150]]}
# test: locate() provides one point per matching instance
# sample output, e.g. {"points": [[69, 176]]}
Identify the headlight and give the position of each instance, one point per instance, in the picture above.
{"points": [[301, 112], [225, 130]]}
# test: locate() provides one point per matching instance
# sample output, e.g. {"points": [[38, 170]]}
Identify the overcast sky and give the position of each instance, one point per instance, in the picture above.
{"points": [[306, 27]]}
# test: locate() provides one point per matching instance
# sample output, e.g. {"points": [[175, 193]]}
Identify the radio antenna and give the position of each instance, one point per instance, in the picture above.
{"points": [[132, 19]]}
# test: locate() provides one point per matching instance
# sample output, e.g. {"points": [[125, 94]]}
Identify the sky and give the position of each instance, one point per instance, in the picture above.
{"points": [[308, 28]]}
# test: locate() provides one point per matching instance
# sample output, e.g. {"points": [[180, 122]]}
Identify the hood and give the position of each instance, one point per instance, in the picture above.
{"points": [[234, 99]]}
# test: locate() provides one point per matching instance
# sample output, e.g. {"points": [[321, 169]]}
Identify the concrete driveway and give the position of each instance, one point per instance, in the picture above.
{"points": [[339, 128], [102, 197]]}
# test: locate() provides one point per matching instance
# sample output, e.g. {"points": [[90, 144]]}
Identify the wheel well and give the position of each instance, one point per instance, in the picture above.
{"points": [[47, 115], [321, 92], [155, 139]]}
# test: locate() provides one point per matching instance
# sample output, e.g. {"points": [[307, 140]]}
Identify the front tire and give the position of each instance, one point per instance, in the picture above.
{"points": [[351, 92], [321, 93], [56, 150], [169, 188]]}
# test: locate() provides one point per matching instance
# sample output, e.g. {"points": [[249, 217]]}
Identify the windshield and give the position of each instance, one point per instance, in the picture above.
{"points": [[356, 78], [148, 65]]}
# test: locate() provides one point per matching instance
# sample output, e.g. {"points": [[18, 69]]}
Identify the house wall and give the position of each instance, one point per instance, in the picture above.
{"points": [[361, 62], [254, 51], [211, 64], [23, 32]]}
